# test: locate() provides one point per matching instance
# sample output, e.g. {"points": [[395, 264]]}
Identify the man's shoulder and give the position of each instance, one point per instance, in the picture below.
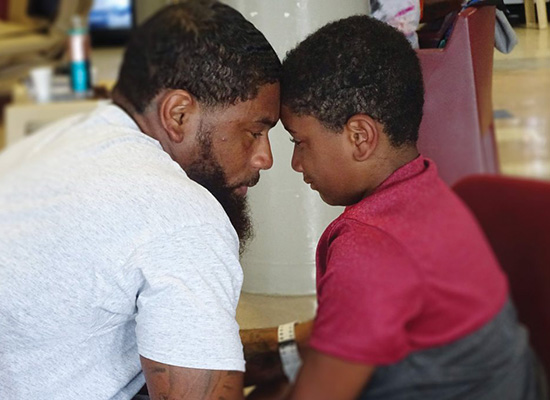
{"points": [[165, 195]]}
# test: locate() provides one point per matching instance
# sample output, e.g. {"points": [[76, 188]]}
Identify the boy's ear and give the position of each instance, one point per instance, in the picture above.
{"points": [[364, 134], [177, 109]]}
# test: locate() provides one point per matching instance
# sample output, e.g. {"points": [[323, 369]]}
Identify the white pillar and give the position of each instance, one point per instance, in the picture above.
{"points": [[288, 216]]}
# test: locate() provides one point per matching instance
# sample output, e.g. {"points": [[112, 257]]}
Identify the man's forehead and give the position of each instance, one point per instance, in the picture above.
{"points": [[267, 121], [262, 109]]}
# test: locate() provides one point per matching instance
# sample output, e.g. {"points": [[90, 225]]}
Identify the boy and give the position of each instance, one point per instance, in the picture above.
{"points": [[412, 303]]}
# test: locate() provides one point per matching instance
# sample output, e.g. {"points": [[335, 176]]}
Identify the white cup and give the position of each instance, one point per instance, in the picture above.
{"points": [[41, 78]]}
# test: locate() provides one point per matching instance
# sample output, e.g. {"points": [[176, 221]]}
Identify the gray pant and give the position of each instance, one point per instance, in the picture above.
{"points": [[493, 363]]}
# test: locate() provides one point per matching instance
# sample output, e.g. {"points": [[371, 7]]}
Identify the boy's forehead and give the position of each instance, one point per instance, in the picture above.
{"points": [[292, 121], [287, 118], [303, 126], [285, 112]]}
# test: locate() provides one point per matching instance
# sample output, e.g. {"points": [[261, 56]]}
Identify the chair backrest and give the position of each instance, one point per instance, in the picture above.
{"points": [[515, 216], [3, 10], [457, 129]]}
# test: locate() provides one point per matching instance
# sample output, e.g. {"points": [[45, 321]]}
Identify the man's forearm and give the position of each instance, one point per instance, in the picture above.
{"points": [[262, 356], [166, 381], [261, 352]]}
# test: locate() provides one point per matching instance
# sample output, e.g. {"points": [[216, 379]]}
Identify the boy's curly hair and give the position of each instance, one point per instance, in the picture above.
{"points": [[357, 65]]}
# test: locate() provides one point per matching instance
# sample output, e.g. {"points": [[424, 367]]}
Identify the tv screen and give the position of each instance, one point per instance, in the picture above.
{"points": [[111, 21]]}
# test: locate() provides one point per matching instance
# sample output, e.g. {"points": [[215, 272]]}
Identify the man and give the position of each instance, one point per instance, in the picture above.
{"points": [[120, 229], [412, 303]]}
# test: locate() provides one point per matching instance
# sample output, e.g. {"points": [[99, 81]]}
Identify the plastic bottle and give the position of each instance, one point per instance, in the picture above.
{"points": [[79, 50]]}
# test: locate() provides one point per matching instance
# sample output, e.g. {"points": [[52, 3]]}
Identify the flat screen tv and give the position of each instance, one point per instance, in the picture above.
{"points": [[111, 21]]}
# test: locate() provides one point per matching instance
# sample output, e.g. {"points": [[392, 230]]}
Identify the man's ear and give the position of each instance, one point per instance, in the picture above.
{"points": [[364, 134], [177, 110]]}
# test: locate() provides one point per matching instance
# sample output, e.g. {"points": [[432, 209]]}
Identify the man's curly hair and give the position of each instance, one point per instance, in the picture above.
{"points": [[202, 46], [357, 65]]}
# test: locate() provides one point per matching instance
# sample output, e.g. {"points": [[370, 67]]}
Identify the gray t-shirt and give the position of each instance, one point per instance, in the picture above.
{"points": [[107, 251]]}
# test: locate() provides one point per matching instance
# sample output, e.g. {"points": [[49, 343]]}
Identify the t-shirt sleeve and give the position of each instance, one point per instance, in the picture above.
{"points": [[367, 294], [187, 305]]}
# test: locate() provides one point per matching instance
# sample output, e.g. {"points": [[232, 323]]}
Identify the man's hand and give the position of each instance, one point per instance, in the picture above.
{"points": [[168, 382], [261, 352]]}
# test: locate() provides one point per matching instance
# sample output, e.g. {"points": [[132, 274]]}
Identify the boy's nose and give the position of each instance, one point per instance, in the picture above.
{"points": [[295, 163]]}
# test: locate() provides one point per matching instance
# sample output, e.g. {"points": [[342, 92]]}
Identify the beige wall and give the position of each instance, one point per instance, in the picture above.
{"points": [[146, 8]]}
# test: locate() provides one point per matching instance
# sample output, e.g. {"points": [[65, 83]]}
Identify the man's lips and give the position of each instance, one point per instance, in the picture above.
{"points": [[241, 191]]}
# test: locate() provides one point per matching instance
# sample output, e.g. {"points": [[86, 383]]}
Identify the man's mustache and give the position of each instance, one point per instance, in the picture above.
{"points": [[250, 182]]}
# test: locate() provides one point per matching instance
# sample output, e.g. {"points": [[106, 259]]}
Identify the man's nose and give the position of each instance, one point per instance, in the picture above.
{"points": [[263, 159], [295, 162]]}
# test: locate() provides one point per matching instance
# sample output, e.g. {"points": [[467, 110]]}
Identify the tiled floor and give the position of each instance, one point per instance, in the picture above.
{"points": [[521, 98]]}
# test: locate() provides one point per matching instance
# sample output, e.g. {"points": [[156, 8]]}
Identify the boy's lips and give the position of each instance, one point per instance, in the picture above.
{"points": [[310, 183]]}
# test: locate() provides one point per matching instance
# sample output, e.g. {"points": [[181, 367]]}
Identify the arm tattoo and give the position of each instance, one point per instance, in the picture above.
{"points": [[179, 383]]}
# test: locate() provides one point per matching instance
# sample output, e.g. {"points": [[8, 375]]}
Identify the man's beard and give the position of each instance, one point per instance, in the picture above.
{"points": [[206, 171]]}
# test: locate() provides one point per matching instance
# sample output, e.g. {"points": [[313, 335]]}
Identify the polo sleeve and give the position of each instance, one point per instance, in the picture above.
{"points": [[186, 307], [367, 294]]}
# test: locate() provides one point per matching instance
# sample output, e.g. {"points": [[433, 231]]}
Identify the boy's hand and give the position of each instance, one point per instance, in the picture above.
{"points": [[278, 390], [325, 377]]}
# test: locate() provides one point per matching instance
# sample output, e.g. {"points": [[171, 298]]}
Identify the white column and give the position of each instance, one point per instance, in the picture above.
{"points": [[288, 216]]}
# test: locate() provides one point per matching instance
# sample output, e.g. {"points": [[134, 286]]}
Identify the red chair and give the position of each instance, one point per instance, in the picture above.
{"points": [[515, 216], [457, 130], [3, 10]]}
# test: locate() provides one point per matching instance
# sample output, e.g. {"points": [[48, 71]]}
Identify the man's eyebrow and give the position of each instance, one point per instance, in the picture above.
{"points": [[266, 121]]}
